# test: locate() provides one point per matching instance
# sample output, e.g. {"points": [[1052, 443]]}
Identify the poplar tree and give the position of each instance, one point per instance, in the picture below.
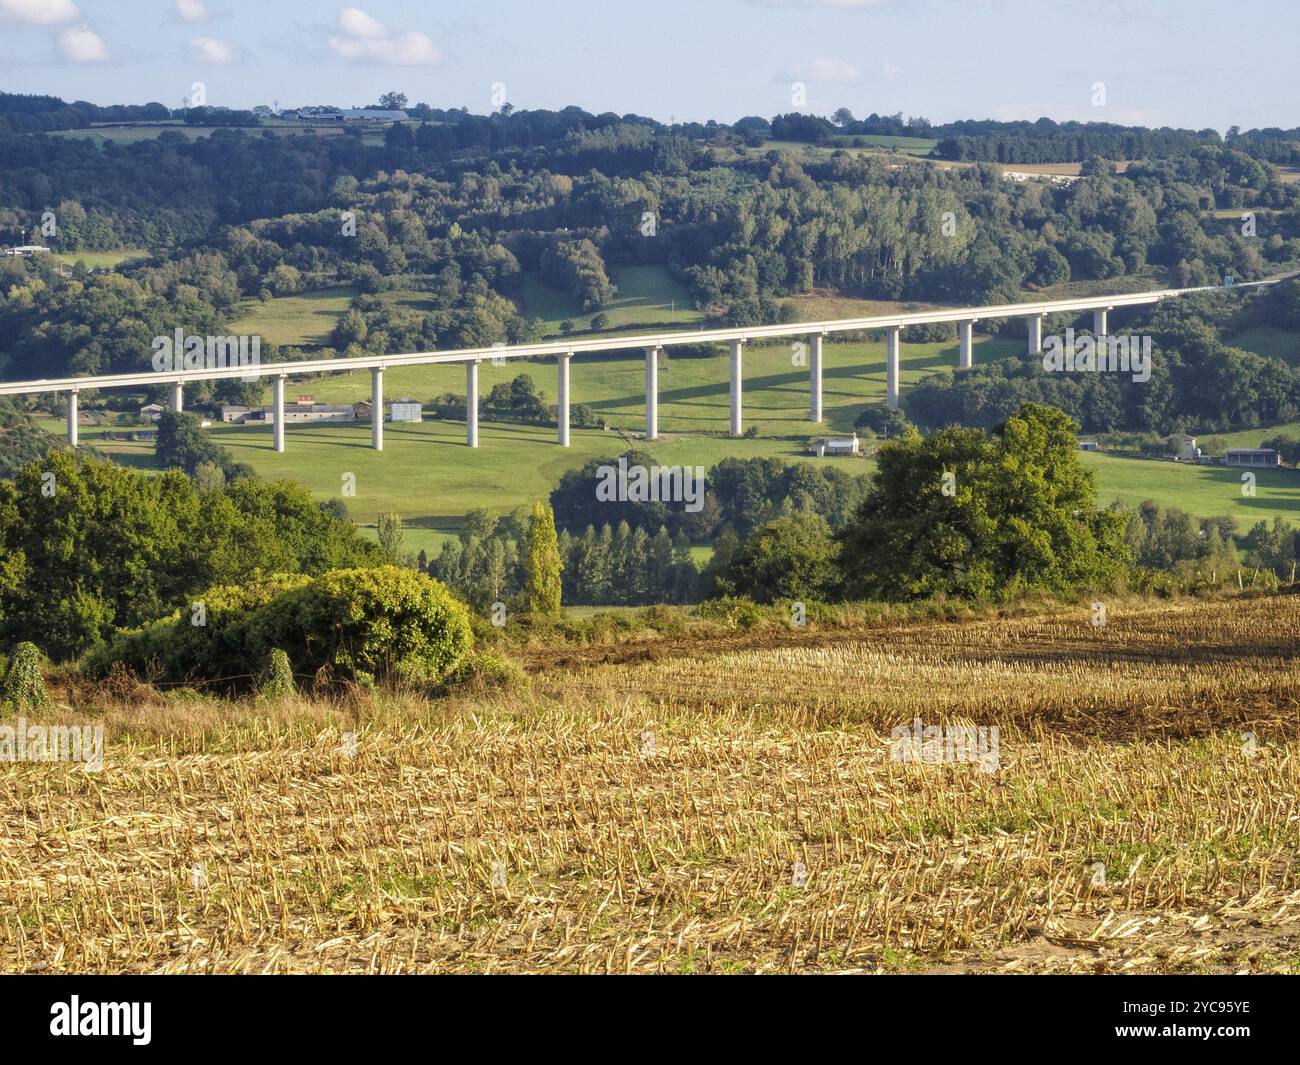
{"points": [[542, 565]]}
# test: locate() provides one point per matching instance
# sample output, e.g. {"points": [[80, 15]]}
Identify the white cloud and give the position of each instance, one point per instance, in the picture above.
{"points": [[832, 70], [81, 44], [40, 12], [211, 50], [192, 10], [369, 40], [356, 23]]}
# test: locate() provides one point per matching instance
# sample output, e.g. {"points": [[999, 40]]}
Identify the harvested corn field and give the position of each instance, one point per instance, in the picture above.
{"points": [[748, 802]]}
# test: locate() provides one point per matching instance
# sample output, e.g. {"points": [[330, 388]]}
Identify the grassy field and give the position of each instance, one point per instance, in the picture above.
{"points": [[308, 318], [1268, 341], [903, 145], [101, 260], [709, 802], [429, 476], [647, 295], [1207, 491], [101, 135], [693, 392]]}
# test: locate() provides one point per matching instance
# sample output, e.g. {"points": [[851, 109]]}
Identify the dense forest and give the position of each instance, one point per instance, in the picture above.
{"points": [[463, 207]]}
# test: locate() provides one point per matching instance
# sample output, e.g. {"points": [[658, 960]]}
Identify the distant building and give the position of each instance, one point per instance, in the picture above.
{"points": [[151, 412], [24, 251], [233, 413], [405, 410], [351, 114], [836, 445], [1187, 449], [1089, 445], [1252, 456]]}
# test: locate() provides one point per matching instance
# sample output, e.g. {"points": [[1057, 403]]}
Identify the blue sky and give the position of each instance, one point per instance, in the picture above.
{"points": [[1189, 63]]}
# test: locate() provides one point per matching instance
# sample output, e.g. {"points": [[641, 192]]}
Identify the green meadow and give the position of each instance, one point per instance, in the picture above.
{"points": [[1206, 491], [101, 260], [647, 295], [428, 475], [306, 319], [694, 393]]}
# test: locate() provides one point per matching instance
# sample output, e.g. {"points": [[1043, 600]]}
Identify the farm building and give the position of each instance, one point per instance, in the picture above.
{"points": [[1089, 445], [1252, 456], [24, 251], [151, 412], [353, 114], [295, 412], [405, 410], [836, 445]]}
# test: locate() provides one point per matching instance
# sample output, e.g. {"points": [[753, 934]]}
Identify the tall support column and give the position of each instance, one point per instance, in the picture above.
{"points": [[965, 355], [278, 413], [1100, 324], [471, 403], [72, 417], [1035, 334], [652, 393], [891, 365], [377, 408], [178, 397], [815, 379], [562, 403], [737, 379]]}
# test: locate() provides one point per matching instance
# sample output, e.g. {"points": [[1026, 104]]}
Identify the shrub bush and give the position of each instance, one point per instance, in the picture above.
{"points": [[488, 671], [390, 622], [386, 623], [735, 612], [208, 640]]}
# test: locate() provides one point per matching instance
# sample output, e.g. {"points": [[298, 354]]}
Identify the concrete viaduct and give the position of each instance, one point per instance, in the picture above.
{"points": [[564, 351]]}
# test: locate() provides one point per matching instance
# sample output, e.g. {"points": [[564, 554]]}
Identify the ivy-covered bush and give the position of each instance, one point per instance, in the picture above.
{"points": [[23, 686], [277, 682]]}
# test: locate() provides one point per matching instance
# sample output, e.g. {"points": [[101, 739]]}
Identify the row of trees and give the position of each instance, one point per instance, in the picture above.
{"points": [[734, 495]]}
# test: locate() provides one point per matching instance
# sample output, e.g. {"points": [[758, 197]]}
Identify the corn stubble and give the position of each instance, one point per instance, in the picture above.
{"points": [[1144, 816]]}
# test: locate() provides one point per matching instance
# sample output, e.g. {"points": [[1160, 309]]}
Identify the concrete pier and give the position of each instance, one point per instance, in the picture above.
{"points": [[1035, 322], [652, 393], [737, 376], [178, 397], [377, 408], [562, 401], [815, 378], [966, 354], [471, 403], [279, 412], [891, 364], [72, 417]]}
